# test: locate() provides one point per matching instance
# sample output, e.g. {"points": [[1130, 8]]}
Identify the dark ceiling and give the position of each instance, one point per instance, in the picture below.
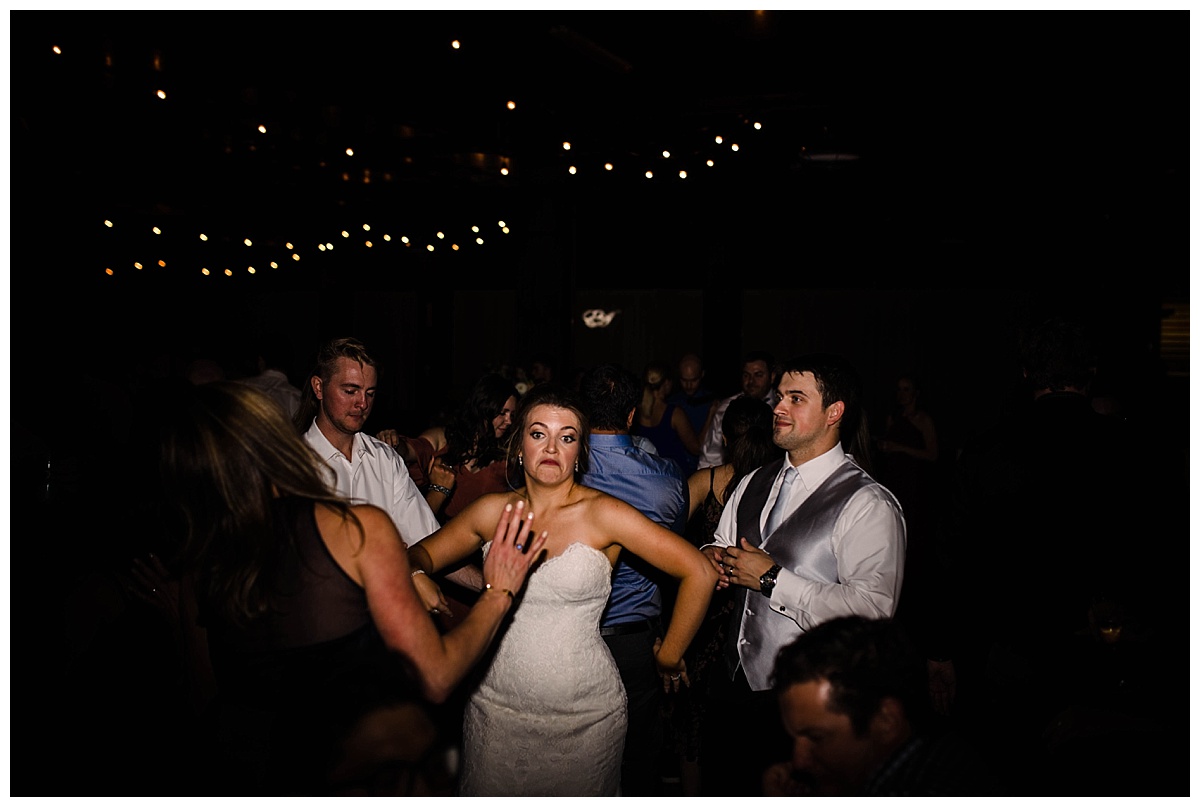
{"points": [[1045, 137]]}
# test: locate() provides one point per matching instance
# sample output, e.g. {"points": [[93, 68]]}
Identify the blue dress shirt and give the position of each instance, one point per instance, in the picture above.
{"points": [[655, 486]]}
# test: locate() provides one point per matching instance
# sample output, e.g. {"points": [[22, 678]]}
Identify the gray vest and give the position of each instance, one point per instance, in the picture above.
{"points": [[801, 544]]}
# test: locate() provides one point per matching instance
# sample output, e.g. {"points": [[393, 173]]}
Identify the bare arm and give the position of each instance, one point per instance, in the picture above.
{"points": [[697, 490], [673, 555], [380, 564], [683, 427], [436, 436]]}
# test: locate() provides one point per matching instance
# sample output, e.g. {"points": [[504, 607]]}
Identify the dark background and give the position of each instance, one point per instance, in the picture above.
{"points": [[923, 186]]}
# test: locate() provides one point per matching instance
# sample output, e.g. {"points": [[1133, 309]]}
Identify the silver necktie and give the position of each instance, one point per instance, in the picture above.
{"points": [[777, 511]]}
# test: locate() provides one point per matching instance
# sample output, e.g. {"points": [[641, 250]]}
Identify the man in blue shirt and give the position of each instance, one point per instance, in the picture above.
{"points": [[631, 623]]}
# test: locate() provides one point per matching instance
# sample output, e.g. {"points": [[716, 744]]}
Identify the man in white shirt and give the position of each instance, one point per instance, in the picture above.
{"points": [[835, 547], [364, 468], [758, 381]]}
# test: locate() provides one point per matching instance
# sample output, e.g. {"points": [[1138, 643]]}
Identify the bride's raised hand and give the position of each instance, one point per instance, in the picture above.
{"points": [[515, 548]]}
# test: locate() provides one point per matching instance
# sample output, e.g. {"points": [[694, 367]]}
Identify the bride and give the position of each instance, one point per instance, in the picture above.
{"points": [[548, 717]]}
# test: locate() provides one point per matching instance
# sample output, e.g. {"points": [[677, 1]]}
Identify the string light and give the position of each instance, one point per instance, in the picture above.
{"points": [[629, 157]]}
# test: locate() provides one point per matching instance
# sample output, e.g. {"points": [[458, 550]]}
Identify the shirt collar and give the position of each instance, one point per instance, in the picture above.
{"points": [[320, 442], [609, 440], [814, 472]]}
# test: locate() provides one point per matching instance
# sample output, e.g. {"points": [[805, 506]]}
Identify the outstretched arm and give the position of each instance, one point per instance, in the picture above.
{"points": [[381, 564], [673, 555]]}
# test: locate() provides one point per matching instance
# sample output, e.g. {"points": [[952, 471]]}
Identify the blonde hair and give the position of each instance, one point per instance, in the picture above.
{"points": [[227, 453]]}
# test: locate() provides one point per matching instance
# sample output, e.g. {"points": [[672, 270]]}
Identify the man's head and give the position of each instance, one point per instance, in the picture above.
{"points": [[691, 373], [851, 692], [820, 401], [611, 393], [541, 369], [344, 383], [758, 373]]}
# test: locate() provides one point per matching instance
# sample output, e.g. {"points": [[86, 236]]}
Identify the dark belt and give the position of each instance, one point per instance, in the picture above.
{"points": [[628, 628]]}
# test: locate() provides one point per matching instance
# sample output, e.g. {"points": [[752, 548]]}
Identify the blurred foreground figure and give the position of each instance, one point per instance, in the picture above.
{"points": [[853, 696]]}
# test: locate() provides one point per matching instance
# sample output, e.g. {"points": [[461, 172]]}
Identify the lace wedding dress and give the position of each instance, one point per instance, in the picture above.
{"points": [[548, 718]]}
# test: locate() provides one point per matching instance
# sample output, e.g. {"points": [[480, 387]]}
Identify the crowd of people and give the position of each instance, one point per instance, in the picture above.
{"points": [[629, 584]]}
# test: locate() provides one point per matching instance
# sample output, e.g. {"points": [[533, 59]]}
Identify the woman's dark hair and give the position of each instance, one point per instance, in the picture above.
{"points": [[748, 429], [470, 434]]}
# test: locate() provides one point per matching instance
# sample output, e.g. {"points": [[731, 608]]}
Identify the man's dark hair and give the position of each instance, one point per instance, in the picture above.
{"points": [[611, 392], [837, 380], [865, 661], [766, 358], [1057, 354]]}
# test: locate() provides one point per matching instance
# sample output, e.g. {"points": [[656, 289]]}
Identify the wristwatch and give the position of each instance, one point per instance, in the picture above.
{"points": [[766, 583]]}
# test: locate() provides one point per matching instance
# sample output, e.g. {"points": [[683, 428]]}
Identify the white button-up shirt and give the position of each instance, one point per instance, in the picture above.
{"points": [[376, 474], [868, 539]]}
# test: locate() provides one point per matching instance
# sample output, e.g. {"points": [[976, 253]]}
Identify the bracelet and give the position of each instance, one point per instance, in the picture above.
{"points": [[442, 489], [417, 572], [489, 587]]}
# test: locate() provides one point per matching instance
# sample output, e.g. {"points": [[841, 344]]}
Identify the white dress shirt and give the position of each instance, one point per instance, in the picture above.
{"points": [[376, 474], [869, 541]]}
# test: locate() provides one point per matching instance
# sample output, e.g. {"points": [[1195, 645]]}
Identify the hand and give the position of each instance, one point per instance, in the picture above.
{"points": [[672, 674], [716, 556], [943, 685], [514, 549], [431, 594], [442, 474], [744, 566], [397, 441]]}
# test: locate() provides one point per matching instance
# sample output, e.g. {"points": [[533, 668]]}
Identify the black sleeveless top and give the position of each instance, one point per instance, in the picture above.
{"points": [[703, 523], [306, 670]]}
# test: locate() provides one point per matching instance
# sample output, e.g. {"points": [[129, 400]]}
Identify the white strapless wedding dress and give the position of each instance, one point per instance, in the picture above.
{"points": [[548, 718]]}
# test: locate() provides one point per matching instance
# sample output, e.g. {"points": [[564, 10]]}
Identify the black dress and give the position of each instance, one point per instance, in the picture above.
{"points": [[292, 682], [703, 655]]}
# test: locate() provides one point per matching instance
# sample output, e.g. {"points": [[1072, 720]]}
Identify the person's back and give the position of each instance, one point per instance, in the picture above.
{"points": [[309, 612], [295, 679], [631, 621], [294, 649]]}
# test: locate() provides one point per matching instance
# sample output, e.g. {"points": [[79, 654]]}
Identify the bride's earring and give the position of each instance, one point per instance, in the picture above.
{"points": [[576, 466], [520, 460]]}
